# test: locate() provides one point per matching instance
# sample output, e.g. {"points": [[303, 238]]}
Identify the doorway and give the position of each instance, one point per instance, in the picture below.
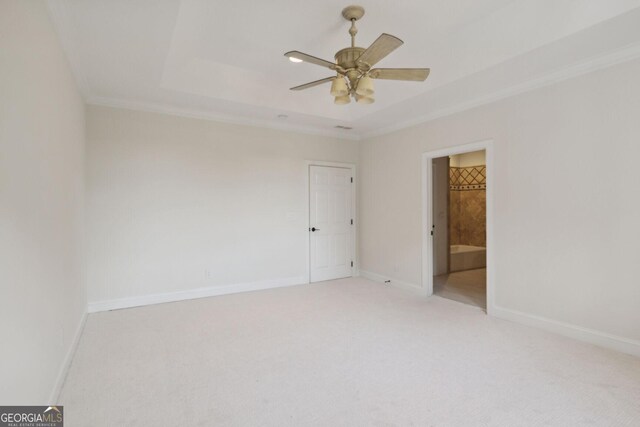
{"points": [[331, 222], [457, 216]]}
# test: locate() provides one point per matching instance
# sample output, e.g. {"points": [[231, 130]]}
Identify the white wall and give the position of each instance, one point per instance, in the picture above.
{"points": [[42, 300], [169, 198], [565, 199]]}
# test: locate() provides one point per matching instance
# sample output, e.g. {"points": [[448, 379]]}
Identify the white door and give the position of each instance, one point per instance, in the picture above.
{"points": [[330, 223]]}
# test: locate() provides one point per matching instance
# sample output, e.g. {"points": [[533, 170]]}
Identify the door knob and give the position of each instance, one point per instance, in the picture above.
{"points": [[314, 229]]}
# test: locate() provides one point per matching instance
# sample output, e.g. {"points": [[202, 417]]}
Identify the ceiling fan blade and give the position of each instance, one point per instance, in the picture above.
{"points": [[413, 74], [312, 84], [383, 46], [311, 59]]}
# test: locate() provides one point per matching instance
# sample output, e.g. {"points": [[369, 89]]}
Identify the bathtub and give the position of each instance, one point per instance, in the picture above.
{"points": [[464, 257]]}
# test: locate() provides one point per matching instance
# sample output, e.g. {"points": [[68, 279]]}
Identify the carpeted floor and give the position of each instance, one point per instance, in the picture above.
{"points": [[344, 353]]}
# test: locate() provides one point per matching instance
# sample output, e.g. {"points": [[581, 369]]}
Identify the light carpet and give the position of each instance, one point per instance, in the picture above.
{"points": [[343, 353]]}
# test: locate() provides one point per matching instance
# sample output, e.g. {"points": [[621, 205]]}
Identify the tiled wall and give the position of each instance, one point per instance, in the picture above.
{"points": [[467, 205]]}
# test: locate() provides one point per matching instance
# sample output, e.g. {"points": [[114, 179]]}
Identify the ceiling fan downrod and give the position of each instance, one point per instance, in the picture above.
{"points": [[353, 31], [353, 13]]}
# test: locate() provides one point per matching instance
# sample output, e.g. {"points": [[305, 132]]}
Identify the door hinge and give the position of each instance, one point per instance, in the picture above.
{"points": [[351, 263], [351, 179], [351, 221]]}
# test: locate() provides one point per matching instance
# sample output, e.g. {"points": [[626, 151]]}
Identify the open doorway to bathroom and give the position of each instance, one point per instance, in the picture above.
{"points": [[459, 227]]}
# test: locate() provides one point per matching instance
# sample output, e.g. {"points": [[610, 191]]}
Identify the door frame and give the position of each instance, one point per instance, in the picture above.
{"points": [[427, 214], [354, 229]]}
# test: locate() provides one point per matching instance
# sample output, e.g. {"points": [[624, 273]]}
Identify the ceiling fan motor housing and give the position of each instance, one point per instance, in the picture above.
{"points": [[346, 58]]}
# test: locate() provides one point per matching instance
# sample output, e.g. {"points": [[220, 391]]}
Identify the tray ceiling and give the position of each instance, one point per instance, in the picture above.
{"points": [[224, 60]]}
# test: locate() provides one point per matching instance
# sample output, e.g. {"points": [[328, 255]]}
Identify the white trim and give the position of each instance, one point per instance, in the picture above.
{"points": [[590, 336], [354, 229], [427, 220], [66, 32], [211, 291], [66, 363], [396, 283], [609, 59], [217, 117], [576, 332], [618, 56]]}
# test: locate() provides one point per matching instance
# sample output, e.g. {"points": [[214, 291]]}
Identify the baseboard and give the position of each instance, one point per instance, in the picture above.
{"points": [[591, 336], [66, 363], [601, 339], [392, 281], [211, 291]]}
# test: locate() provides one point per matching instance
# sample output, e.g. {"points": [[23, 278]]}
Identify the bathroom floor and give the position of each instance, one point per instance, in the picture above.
{"points": [[469, 287]]}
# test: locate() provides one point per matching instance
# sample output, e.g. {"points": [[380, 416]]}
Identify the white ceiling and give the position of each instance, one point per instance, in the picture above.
{"points": [[224, 60]]}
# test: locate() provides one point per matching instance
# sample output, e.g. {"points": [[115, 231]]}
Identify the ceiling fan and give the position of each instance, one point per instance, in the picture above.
{"points": [[353, 65]]}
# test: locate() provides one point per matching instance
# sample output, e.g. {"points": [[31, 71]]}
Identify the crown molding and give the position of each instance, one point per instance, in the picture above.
{"points": [[618, 56], [67, 36], [216, 117]]}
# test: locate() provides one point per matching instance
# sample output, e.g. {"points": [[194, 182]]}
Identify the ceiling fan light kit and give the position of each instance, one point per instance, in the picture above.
{"points": [[339, 87], [360, 99], [365, 86], [342, 100], [353, 65]]}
